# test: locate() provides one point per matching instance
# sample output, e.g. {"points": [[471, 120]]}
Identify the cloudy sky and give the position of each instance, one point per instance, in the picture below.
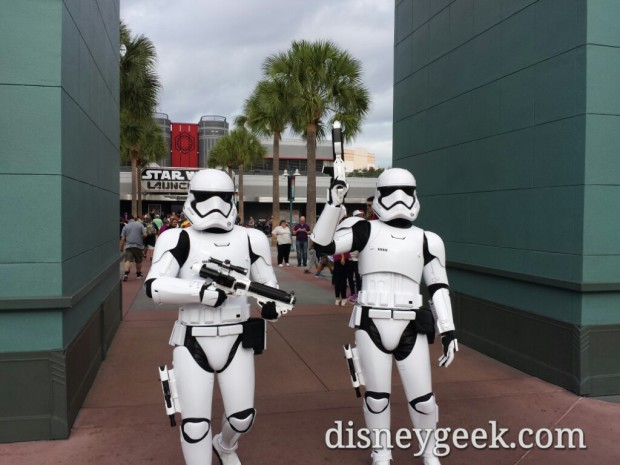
{"points": [[210, 52]]}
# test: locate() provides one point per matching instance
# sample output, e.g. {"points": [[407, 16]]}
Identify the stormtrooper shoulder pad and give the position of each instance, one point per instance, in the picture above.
{"points": [[259, 244], [436, 247]]}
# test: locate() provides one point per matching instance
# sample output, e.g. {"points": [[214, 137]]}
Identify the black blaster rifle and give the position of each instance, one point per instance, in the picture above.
{"points": [[232, 280]]}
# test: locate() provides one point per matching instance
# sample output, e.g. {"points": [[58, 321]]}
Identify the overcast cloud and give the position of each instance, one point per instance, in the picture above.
{"points": [[210, 52]]}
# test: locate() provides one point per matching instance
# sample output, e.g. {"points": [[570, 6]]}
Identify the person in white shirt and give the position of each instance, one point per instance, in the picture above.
{"points": [[284, 239]]}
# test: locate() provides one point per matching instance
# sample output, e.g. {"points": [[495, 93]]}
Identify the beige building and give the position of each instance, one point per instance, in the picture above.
{"points": [[358, 159]]}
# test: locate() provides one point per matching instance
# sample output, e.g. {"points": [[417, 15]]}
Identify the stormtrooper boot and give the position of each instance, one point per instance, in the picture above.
{"points": [[224, 455], [430, 458], [380, 458], [377, 416], [423, 412]]}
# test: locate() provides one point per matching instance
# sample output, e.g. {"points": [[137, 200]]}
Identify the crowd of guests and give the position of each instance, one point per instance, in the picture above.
{"points": [[139, 235], [283, 239], [346, 274], [343, 267]]}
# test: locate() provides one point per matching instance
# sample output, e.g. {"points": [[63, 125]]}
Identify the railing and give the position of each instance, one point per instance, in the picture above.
{"points": [[213, 118]]}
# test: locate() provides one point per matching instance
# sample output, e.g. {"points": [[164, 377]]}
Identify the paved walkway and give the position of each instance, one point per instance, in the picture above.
{"points": [[302, 389]]}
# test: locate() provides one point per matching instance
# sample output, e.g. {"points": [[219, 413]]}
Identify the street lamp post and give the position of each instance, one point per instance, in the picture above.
{"points": [[291, 197]]}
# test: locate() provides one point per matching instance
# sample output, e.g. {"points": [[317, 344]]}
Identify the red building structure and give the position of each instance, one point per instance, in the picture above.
{"points": [[184, 145]]}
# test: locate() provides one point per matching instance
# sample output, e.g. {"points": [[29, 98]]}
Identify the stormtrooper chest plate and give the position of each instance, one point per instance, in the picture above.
{"points": [[393, 250], [232, 245]]}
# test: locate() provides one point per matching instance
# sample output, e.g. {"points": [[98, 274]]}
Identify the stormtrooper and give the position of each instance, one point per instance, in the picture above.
{"points": [[394, 257], [214, 336]]}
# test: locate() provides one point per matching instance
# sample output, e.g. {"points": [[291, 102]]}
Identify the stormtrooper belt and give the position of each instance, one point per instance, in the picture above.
{"points": [[384, 313], [177, 338], [212, 331], [363, 313], [382, 299]]}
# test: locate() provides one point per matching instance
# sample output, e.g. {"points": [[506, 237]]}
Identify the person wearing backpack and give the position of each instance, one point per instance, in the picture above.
{"points": [[132, 246], [152, 231]]}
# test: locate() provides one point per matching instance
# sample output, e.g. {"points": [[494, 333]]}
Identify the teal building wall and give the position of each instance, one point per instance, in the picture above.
{"points": [[60, 297], [507, 112]]}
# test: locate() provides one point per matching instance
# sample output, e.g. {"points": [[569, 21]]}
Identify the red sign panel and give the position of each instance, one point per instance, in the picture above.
{"points": [[184, 145]]}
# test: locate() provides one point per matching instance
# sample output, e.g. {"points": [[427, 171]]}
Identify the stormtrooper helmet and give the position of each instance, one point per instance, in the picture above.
{"points": [[210, 202], [395, 196]]}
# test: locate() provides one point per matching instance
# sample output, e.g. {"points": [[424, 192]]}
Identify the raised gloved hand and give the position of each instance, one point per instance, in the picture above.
{"points": [[450, 347], [337, 192], [269, 312]]}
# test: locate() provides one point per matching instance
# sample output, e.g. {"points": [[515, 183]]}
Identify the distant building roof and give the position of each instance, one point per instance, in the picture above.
{"points": [[295, 149]]}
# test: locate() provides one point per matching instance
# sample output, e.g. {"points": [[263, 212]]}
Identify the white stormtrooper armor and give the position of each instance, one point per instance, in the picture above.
{"points": [[394, 257], [209, 333]]}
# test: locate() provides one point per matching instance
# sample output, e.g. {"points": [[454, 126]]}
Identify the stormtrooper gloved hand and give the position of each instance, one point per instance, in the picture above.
{"points": [[212, 296], [269, 312], [450, 347], [337, 192]]}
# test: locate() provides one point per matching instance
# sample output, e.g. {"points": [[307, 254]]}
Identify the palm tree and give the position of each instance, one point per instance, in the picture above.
{"points": [[267, 112], [325, 84], [141, 143], [239, 148], [141, 140]]}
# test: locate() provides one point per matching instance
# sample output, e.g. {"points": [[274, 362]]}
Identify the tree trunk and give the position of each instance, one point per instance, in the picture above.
{"points": [[240, 209], [139, 183], [311, 188], [276, 177], [134, 183]]}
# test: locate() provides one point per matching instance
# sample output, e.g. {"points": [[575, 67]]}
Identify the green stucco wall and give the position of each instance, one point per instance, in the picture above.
{"points": [[59, 141], [506, 111]]}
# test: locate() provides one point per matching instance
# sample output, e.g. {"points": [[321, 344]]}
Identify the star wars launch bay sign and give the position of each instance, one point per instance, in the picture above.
{"points": [[167, 180]]}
